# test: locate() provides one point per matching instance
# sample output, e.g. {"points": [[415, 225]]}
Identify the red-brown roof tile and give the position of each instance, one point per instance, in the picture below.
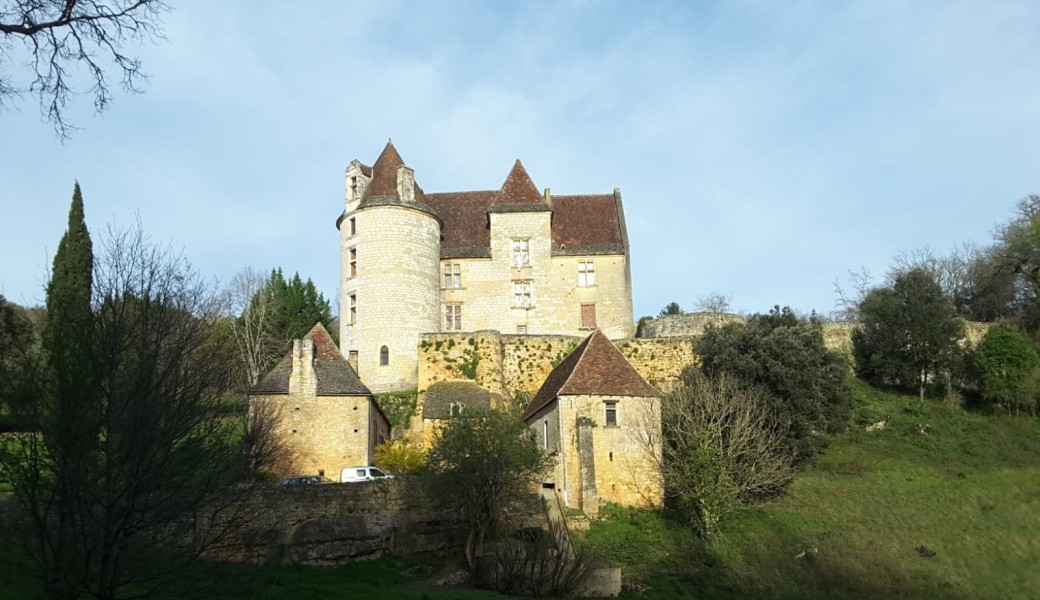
{"points": [[518, 187], [583, 220], [595, 368], [465, 219], [384, 173]]}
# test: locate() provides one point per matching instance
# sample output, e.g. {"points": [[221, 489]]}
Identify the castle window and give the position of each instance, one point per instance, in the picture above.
{"points": [[545, 435], [586, 273], [353, 262], [353, 309], [353, 226], [452, 275], [521, 253], [522, 294], [521, 329], [588, 316], [610, 418], [453, 317], [455, 409], [384, 356]]}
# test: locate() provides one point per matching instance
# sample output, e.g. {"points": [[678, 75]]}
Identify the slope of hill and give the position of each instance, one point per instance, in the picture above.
{"points": [[941, 502]]}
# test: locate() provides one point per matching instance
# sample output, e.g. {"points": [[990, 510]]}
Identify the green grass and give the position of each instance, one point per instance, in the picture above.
{"points": [[383, 579], [969, 491]]}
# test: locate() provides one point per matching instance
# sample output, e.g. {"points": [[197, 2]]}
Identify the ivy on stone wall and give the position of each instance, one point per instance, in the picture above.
{"points": [[398, 406]]}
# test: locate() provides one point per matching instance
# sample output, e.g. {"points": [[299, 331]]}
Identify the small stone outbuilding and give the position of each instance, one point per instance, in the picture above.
{"points": [[323, 417], [447, 399], [603, 422]]}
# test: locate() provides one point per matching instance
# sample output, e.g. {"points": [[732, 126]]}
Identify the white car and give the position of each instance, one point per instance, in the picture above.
{"points": [[354, 474]]}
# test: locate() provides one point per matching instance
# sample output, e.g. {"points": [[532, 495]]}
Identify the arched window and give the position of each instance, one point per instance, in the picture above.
{"points": [[384, 356]]}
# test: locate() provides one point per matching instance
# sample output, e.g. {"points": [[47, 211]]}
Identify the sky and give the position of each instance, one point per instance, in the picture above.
{"points": [[763, 149]]}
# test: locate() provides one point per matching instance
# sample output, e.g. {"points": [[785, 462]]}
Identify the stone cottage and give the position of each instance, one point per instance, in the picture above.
{"points": [[602, 420], [323, 417]]}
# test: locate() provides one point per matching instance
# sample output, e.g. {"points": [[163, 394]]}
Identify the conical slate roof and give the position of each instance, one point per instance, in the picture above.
{"points": [[595, 368], [335, 375]]}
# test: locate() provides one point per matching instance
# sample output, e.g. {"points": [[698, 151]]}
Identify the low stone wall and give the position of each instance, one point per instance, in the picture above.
{"points": [[333, 524], [688, 324]]}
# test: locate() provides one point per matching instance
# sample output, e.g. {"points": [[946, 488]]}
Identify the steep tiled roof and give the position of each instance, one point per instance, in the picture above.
{"points": [[596, 367], [384, 173], [587, 224], [590, 220], [335, 375], [465, 232], [440, 395], [518, 188]]}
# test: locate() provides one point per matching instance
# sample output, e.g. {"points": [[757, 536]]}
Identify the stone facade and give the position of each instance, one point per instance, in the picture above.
{"points": [[619, 463], [513, 260], [323, 418]]}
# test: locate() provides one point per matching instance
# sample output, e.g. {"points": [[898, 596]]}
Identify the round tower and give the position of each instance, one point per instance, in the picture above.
{"points": [[389, 280]]}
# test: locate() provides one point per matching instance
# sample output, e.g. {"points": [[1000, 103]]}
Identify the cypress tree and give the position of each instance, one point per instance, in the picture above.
{"points": [[69, 421], [66, 328]]}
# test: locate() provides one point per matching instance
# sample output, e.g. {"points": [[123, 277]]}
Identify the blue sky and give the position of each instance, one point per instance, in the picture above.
{"points": [[763, 149]]}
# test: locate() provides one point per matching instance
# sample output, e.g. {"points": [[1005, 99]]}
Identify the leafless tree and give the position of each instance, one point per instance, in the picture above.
{"points": [[58, 37], [714, 303], [250, 303], [721, 447], [151, 446], [846, 306]]}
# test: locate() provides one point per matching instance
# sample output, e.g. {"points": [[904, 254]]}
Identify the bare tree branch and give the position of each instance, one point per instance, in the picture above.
{"points": [[61, 36]]}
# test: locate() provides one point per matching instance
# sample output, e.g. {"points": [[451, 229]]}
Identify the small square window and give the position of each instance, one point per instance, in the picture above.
{"points": [[611, 414], [521, 329]]}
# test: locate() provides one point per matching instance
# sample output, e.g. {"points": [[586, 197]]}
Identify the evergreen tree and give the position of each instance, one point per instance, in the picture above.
{"points": [[68, 415], [909, 331]]}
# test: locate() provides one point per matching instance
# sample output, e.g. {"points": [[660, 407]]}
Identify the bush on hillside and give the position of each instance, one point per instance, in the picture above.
{"points": [[722, 447], [807, 384], [1009, 369]]}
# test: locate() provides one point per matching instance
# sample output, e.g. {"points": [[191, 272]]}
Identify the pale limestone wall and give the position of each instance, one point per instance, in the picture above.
{"points": [[322, 433], [518, 364], [687, 324], [627, 456], [487, 298], [397, 291]]}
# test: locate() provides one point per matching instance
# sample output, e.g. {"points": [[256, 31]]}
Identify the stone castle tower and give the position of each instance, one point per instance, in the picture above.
{"points": [[513, 260], [389, 261]]}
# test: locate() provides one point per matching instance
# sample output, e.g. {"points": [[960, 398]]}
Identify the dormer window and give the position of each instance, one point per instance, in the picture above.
{"points": [[455, 409]]}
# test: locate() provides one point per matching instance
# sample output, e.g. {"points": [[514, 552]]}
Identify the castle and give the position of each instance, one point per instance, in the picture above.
{"points": [[513, 260]]}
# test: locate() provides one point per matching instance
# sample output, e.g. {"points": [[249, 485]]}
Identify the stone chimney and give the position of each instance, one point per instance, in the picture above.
{"points": [[303, 380], [405, 183], [548, 196]]}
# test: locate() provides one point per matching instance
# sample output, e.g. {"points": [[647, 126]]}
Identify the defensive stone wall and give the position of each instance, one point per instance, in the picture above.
{"points": [[686, 324], [332, 524]]}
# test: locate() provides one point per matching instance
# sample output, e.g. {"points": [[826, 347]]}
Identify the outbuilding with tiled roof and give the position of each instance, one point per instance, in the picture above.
{"points": [[318, 409], [602, 421]]}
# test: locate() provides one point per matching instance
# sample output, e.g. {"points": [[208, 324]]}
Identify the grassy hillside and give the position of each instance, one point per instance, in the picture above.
{"points": [[969, 491]]}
